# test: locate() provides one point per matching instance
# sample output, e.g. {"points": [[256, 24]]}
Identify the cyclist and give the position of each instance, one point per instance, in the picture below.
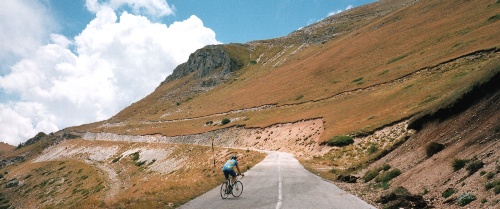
{"points": [[228, 169]]}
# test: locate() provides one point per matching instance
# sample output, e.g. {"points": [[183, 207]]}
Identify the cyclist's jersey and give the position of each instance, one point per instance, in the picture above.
{"points": [[229, 165]]}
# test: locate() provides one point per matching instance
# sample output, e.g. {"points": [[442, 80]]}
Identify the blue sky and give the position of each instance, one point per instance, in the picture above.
{"points": [[232, 21], [70, 62]]}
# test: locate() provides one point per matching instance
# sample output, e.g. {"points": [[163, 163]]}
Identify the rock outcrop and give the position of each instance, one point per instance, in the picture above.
{"points": [[211, 66]]}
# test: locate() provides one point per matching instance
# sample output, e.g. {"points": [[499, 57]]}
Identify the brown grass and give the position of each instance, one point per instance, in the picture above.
{"points": [[79, 180], [384, 49]]}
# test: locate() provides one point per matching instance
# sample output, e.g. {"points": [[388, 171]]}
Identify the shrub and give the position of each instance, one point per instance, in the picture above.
{"points": [[459, 164], [372, 149], [492, 184], [482, 173], [496, 190], [357, 79], [433, 148], [397, 58], [117, 159], [12, 183], [448, 192], [1, 176], [474, 166], [225, 121], [465, 199], [371, 174], [140, 163], [494, 18], [389, 175], [135, 156], [401, 191], [386, 167], [340, 141], [299, 97], [490, 175], [382, 185], [152, 161]]}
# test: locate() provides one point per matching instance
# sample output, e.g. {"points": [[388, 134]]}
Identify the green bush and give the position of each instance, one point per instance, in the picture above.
{"points": [[140, 163], [474, 166], [135, 156], [465, 199], [371, 174], [491, 185], [116, 159], [382, 185], [433, 148], [357, 79], [340, 141], [397, 58], [494, 18], [490, 175], [459, 164], [482, 173], [225, 121], [385, 167], [496, 190], [372, 149], [448, 192], [388, 176]]}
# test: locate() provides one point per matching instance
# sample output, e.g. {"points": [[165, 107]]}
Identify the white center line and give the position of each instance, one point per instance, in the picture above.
{"points": [[278, 206]]}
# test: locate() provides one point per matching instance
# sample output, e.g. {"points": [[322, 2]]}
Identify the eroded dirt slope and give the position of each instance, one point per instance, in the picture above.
{"points": [[472, 135]]}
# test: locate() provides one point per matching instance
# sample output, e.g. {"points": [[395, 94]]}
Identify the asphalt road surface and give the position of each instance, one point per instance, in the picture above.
{"points": [[280, 181]]}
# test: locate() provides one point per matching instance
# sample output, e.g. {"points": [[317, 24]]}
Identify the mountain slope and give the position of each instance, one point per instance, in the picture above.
{"points": [[397, 51], [4, 147], [378, 73]]}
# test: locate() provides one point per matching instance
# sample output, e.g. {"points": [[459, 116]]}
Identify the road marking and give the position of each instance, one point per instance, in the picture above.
{"points": [[278, 205]]}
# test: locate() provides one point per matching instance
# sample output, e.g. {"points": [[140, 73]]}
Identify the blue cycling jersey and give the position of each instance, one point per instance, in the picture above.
{"points": [[229, 165]]}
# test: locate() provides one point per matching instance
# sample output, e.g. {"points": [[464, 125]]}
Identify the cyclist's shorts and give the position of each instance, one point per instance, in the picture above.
{"points": [[229, 172]]}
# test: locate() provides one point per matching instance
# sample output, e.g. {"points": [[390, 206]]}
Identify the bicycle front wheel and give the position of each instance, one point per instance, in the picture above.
{"points": [[223, 190], [237, 189]]}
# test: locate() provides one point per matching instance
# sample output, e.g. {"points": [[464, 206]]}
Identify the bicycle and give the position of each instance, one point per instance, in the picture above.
{"points": [[235, 190]]}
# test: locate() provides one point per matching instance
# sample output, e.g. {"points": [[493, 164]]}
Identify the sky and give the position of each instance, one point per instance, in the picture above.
{"points": [[67, 63]]}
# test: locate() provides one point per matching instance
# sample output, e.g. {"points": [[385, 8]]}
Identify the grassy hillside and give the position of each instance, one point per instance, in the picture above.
{"points": [[4, 148], [394, 61], [100, 174], [385, 79]]}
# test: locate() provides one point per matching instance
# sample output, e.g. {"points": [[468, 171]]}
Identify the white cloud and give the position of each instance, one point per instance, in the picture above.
{"points": [[154, 8], [115, 61], [24, 120], [24, 25], [339, 11]]}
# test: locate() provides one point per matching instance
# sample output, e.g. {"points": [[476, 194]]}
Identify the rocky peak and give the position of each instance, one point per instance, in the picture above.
{"points": [[211, 64]]}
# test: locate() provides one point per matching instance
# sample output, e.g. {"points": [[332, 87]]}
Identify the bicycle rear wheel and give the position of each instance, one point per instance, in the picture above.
{"points": [[237, 189], [223, 190]]}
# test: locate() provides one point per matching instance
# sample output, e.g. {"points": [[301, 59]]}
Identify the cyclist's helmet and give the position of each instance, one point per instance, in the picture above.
{"points": [[233, 157]]}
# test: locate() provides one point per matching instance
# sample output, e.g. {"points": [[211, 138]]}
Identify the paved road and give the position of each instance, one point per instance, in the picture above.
{"points": [[280, 181]]}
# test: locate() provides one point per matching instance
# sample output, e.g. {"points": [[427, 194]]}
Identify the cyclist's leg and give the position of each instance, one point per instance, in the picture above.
{"points": [[233, 174], [226, 174]]}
